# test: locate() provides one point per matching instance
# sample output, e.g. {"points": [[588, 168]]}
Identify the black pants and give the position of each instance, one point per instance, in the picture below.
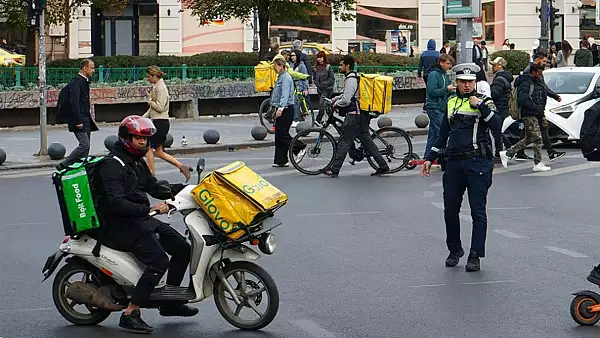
{"points": [[153, 252], [356, 126], [82, 150], [283, 137]]}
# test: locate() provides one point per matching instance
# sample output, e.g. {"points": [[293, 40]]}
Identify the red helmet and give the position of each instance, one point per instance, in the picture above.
{"points": [[135, 125]]}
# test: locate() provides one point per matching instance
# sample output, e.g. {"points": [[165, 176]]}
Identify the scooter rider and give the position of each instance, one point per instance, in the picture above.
{"points": [[123, 207], [356, 122], [467, 162]]}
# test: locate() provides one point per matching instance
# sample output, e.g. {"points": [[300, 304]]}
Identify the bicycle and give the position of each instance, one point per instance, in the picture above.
{"points": [[266, 111], [315, 145]]}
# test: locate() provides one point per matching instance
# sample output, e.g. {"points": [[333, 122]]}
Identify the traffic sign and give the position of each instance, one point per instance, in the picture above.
{"points": [[462, 9]]}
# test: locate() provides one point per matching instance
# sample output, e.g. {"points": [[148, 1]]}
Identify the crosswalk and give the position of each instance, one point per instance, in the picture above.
{"points": [[264, 168]]}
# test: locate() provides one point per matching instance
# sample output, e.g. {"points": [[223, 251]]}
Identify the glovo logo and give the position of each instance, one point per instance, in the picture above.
{"points": [[212, 209], [256, 187]]}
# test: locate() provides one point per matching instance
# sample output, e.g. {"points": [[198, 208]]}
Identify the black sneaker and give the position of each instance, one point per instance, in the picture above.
{"points": [[380, 172], [594, 276], [523, 157], [472, 262], [556, 155], [134, 323], [454, 257], [178, 311]]}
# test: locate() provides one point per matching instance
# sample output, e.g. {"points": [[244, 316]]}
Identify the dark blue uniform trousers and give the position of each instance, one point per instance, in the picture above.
{"points": [[474, 175]]}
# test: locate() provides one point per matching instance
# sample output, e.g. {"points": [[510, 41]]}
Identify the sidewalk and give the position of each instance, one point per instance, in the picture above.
{"points": [[21, 144]]}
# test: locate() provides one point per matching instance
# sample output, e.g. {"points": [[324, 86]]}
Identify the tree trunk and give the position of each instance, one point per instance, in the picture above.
{"points": [[263, 24], [30, 56]]}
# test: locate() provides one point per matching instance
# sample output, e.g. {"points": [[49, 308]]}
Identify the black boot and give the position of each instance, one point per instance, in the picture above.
{"points": [[381, 171], [473, 262], [178, 311], [594, 276], [134, 323], [454, 257]]}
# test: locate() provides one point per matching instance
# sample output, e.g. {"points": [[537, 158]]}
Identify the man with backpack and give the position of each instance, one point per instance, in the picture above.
{"points": [[501, 94], [531, 99], [356, 122], [74, 105]]}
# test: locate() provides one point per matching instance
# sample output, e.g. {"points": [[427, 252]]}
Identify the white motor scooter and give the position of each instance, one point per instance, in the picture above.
{"points": [[218, 265]]}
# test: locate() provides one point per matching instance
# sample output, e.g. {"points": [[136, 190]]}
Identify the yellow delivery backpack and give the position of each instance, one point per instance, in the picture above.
{"points": [[264, 77], [376, 93], [237, 199]]}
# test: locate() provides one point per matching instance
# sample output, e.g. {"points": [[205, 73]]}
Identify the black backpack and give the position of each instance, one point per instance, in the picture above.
{"points": [[63, 105], [589, 136]]}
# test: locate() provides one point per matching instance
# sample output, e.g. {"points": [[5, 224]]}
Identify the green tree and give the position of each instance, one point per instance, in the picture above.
{"points": [[282, 10]]}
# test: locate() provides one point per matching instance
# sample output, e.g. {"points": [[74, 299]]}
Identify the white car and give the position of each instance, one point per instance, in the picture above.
{"points": [[579, 89]]}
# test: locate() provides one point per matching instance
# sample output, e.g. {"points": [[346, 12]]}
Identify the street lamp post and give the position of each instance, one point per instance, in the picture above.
{"points": [[544, 16]]}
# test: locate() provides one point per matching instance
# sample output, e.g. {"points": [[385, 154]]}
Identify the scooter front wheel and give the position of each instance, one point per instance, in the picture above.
{"points": [[581, 313], [255, 291]]}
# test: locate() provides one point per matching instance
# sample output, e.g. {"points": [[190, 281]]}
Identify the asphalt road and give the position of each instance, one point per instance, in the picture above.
{"points": [[359, 256]]}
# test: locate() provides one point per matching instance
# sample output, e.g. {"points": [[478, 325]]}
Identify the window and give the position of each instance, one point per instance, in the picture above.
{"points": [[375, 28], [568, 82]]}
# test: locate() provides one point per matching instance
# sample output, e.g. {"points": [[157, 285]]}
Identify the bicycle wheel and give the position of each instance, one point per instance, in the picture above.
{"points": [[265, 113], [317, 147], [395, 147]]}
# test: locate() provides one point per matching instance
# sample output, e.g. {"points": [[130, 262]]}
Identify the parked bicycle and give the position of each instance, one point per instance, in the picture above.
{"points": [[266, 112], [394, 144]]}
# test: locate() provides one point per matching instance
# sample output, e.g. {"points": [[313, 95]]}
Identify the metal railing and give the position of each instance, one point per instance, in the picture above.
{"points": [[28, 76]]}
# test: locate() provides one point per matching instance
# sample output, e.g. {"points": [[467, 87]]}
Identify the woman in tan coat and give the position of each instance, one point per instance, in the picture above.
{"points": [[158, 100]]}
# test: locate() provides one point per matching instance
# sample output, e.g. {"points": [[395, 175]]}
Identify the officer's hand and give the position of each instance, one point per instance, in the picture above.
{"points": [[161, 208], [426, 169], [474, 101]]}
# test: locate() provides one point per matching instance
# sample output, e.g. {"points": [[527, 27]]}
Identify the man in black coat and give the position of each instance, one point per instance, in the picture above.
{"points": [[123, 206], [501, 88], [79, 117]]}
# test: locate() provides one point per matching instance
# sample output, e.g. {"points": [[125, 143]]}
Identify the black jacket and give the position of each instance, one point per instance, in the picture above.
{"points": [[501, 87], [123, 204], [270, 56], [534, 104], [79, 102]]}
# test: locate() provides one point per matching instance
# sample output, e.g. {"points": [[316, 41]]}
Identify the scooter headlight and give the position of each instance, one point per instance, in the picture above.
{"points": [[267, 244]]}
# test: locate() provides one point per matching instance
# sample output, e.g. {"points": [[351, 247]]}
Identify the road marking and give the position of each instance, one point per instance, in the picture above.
{"points": [[427, 285], [490, 282], [428, 194], [514, 167], [312, 328], [566, 252], [507, 233], [27, 310], [341, 213], [436, 184], [31, 223], [564, 170]]}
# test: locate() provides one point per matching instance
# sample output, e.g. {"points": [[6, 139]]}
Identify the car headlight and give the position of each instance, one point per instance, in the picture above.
{"points": [[267, 243], [563, 109]]}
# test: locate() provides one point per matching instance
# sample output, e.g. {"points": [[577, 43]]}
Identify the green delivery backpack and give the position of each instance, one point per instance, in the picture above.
{"points": [[74, 189]]}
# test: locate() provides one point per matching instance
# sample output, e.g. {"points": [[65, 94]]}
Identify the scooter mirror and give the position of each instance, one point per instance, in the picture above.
{"points": [[200, 167]]}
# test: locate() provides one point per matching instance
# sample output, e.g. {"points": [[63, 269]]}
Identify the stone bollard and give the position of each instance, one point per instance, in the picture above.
{"points": [[110, 141], [56, 151], [211, 136], [422, 121], [259, 133]]}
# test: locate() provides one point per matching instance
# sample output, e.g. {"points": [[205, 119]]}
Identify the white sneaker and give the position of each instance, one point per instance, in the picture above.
{"points": [[541, 167], [300, 155], [294, 124], [287, 164], [504, 158]]}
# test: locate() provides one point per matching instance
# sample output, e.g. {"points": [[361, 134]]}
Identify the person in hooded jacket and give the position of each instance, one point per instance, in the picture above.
{"points": [[428, 59], [501, 88], [532, 98]]}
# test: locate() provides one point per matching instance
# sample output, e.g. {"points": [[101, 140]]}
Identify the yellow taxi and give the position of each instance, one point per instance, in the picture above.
{"points": [[307, 48], [8, 58]]}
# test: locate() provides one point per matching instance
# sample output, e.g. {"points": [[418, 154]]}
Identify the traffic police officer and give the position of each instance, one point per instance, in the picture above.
{"points": [[464, 149]]}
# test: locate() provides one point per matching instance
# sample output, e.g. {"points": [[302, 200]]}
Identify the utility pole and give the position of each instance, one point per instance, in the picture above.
{"points": [[255, 48], [464, 11], [544, 16], [464, 35], [42, 87]]}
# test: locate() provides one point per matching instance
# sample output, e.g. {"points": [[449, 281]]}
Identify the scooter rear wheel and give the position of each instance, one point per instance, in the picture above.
{"points": [[66, 306], [250, 291], [580, 313]]}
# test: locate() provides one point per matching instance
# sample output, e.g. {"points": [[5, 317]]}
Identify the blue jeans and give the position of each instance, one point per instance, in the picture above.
{"points": [[435, 122]]}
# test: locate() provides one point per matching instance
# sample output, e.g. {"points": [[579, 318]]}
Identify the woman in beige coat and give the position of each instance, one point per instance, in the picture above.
{"points": [[158, 100]]}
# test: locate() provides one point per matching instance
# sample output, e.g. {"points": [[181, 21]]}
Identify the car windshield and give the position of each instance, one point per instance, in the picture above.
{"points": [[568, 82]]}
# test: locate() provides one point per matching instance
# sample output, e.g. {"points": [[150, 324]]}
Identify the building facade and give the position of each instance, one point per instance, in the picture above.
{"points": [[147, 27]]}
